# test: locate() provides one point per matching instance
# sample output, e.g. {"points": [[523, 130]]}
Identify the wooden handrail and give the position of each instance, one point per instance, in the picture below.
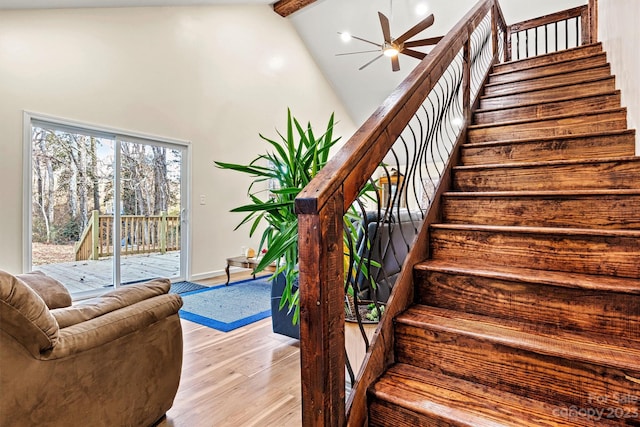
{"points": [[548, 19]]}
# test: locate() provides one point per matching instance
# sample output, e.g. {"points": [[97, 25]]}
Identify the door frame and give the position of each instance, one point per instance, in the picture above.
{"points": [[118, 135]]}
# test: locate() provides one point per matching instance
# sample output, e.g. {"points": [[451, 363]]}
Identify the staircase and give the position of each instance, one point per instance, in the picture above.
{"points": [[528, 311]]}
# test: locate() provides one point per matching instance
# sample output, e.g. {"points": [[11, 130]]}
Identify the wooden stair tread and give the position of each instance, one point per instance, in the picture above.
{"points": [[522, 165], [630, 132], [566, 77], [529, 275], [546, 119], [610, 351], [547, 193], [539, 230], [465, 403], [605, 84], [526, 104], [551, 58], [561, 62], [551, 86]]}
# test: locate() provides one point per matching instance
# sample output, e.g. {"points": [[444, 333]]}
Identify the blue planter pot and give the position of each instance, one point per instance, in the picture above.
{"points": [[282, 320]]}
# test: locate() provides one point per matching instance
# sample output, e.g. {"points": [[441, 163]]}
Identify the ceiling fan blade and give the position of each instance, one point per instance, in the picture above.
{"points": [[386, 30], [418, 28], [423, 42], [365, 40], [370, 62], [414, 53], [395, 63], [355, 53]]}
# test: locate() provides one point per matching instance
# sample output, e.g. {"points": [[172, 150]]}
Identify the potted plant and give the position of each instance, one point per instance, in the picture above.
{"points": [[294, 159]]}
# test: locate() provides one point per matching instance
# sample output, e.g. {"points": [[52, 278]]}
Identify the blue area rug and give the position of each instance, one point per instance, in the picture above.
{"points": [[226, 308]]}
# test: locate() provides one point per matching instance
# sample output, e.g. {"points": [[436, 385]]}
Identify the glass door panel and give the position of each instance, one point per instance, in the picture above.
{"points": [[71, 196], [150, 226]]}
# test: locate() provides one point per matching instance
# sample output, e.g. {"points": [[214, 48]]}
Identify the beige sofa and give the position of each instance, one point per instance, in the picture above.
{"points": [[111, 361]]}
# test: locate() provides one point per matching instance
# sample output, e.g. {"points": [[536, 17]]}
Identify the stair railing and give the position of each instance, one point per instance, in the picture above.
{"points": [[403, 153], [558, 31], [360, 218]]}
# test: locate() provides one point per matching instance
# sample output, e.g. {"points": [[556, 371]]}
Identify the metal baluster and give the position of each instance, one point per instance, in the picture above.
{"points": [[546, 38], [577, 31]]}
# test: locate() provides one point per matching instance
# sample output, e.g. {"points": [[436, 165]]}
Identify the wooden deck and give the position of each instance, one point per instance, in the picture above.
{"points": [[87, 276]]}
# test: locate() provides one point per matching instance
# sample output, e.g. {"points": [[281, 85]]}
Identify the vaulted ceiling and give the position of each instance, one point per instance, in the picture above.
{"points": [[318, 23]]}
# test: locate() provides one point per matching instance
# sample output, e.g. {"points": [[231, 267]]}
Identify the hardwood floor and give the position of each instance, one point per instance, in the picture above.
{"points": [[246, 377]]}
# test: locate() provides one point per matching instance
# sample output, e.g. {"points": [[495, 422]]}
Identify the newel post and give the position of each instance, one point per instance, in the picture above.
{"points": [[593, 21], [494, 32], [95, 235], [322, 354]]}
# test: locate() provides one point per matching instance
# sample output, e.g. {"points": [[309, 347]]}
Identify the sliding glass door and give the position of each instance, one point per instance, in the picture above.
{"points": [[150, 182], [107, 208]]}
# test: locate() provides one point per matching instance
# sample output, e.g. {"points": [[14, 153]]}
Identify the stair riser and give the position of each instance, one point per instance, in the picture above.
{"points": [[547, 378], [598, 211], [615, 256], [598, 87], [604, 175], [574, 125], [539, 111], [564, 148], [574, 309], [549, 59], [568, 79], [385, 414], [562, 67]]}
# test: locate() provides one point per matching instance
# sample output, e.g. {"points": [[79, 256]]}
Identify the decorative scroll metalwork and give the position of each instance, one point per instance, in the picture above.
{"points": [[481, 55], [382, 223]]}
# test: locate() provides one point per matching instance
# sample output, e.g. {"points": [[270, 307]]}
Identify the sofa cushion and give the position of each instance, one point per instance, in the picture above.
{"points": [[54, 294], [25, 316], [110, 301]]}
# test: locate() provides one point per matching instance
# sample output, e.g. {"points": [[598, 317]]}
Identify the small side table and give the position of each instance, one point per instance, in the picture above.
{"points": [[241, 261]]}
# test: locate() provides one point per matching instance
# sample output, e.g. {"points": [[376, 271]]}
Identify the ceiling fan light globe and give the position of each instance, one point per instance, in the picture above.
{"points": [[390, 52], [345, 37]]}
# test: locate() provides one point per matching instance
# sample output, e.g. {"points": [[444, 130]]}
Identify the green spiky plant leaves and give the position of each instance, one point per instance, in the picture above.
{"points": [[291, 163]]}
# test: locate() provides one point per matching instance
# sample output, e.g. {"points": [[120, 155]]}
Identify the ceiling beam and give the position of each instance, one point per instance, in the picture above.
{"points": [[287, 7]]}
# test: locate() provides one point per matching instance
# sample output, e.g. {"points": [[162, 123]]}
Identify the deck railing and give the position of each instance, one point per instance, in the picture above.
{"points": [[138, 235], [404, 152]]}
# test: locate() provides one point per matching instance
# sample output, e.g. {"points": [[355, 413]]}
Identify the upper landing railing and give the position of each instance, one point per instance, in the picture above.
{"points": [[138, 235], [355, 243], [551, 33]]}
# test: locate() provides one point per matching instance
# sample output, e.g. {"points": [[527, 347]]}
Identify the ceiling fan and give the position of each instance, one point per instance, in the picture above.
{"points": [[394, 46]]}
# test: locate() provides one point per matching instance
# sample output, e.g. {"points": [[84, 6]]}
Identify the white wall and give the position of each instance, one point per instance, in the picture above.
{"points": [[518, 10], [619, 32], [215, 76]]}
